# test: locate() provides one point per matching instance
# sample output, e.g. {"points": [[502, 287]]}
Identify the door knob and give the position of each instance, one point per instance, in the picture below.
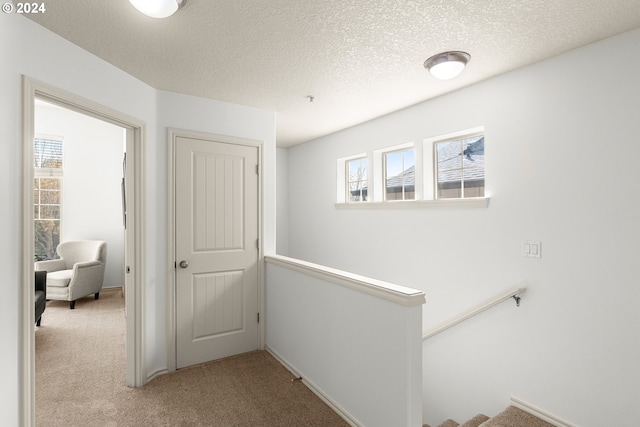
{"points": [[184, 264]]}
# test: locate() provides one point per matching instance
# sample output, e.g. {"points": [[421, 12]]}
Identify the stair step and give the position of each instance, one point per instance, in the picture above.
{"points": [[514, 417], [449, 423], [475, 421]]}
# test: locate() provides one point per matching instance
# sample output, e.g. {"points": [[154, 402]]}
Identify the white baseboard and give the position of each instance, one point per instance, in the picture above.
{"points": [[155, 374], [349, 419], [545, 416], [113, 288]]}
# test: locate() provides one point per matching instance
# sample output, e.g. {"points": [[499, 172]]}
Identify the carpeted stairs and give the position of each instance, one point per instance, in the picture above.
{"points": [[510, 417]]}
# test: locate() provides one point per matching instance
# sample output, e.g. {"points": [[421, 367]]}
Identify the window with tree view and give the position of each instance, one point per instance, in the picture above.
{"points": [[460, 168], [357, 180], [46, 196]]}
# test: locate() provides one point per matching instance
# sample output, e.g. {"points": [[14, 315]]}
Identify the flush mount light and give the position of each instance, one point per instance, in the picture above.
{"points": [[447, 65], [158, 8]]}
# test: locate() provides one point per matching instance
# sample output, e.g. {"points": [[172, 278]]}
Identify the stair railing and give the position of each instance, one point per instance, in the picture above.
{"points": [[514, 293]]}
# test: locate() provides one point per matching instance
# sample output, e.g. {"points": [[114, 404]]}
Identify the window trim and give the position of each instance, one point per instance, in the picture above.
{"points": [[470, 202], [385, 178], [341, 178], [378, 167]]}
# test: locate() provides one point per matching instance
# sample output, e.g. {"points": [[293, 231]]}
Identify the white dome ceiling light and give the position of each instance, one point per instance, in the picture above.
{"points": [[447, 65], [158, 8]]}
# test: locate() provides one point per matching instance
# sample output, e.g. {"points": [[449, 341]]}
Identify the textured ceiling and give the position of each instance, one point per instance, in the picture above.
{"points": [[360, 59]]}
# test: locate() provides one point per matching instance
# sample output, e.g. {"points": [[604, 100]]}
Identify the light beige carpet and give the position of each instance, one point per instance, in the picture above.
{"points": [[80, 380], [510, 417]]}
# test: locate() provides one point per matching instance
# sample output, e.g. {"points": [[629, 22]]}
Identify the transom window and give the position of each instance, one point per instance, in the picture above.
{"points": [[399, 175], [459, 168], [357, 190], [47, 199]]}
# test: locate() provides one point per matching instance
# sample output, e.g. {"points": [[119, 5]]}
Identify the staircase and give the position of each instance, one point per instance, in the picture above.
{"points": [[510, 417]]}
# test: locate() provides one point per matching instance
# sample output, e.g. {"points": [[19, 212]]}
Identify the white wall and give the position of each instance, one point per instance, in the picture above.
{"points": [[91, 188], [337, 338], [562, 167], [204, 115], [28, 49], [282, 200]]}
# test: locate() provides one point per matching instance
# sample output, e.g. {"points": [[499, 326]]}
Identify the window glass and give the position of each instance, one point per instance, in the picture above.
{"points": [[47, 153], [399, 175], [460, 168], [46, 218], [357, 190], [46, 196]]}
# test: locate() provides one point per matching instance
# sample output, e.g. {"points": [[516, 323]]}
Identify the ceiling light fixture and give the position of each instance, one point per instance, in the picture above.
{"points": [[158, 8], [447, 65]]}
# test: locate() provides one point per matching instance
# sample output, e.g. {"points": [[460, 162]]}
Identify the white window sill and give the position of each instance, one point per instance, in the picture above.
{"points": [[475, 202]]}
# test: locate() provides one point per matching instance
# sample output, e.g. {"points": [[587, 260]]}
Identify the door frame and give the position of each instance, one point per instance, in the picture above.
{"points": [[134, 234], [172, 136]]}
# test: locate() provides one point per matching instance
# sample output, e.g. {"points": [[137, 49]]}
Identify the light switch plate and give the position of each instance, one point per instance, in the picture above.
{"points": [[532, 248]]}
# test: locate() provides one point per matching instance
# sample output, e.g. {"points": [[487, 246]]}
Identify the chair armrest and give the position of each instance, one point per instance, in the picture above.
{"points": [[79, 265], [50, 265], [86, 279], [87, 273]]}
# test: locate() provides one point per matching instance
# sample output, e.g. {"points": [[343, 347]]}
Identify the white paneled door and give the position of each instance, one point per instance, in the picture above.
{"points": [[216, 212]]}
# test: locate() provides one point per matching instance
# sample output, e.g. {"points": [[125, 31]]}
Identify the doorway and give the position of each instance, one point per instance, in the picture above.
{"points": [[133, 235], [78, 187]]}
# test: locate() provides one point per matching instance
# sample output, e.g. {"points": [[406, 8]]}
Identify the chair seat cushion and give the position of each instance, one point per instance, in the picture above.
{"points": [[59, 279]]}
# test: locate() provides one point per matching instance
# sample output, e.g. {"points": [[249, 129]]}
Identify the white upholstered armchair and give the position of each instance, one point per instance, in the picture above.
{"points": [[79, 271]]}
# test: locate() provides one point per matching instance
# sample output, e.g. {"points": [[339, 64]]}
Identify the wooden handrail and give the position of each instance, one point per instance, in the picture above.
{"points": [[514, 293]]}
